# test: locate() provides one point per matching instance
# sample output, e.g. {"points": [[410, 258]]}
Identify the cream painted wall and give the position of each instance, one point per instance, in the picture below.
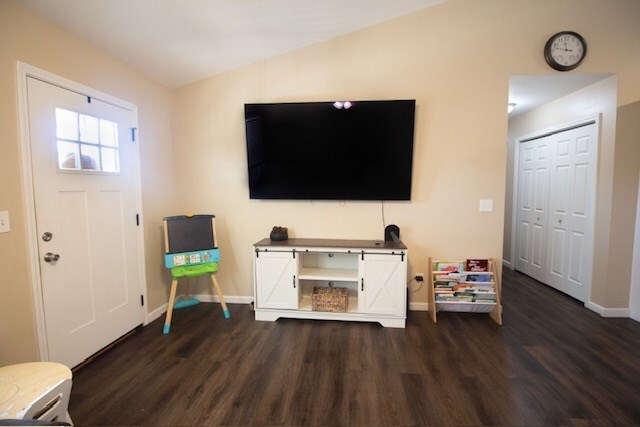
{"points": [[634, 297], [626, 214], [26, 38], [599, 98], [455, 59]]}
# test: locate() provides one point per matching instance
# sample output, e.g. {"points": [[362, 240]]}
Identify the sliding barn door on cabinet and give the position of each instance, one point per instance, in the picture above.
{"points": [[556, 209], [276, 278], [382, 279]]}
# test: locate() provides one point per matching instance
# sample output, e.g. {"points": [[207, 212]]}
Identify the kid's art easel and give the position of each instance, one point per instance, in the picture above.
{"points": [[191, 250]]}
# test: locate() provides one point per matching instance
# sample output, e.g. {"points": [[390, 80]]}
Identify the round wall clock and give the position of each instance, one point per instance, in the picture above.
{"points": [[565, 50]]}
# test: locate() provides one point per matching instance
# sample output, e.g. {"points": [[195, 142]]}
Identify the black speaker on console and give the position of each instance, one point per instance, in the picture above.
{"points": [[392, 233]]}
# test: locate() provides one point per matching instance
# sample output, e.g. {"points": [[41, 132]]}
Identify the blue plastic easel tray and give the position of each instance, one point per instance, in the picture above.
{"points": [[191, 258]]}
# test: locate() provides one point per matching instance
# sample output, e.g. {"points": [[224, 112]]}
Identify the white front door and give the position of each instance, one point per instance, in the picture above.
{"points": [[571, 211], [86, 195], [532, 201]]}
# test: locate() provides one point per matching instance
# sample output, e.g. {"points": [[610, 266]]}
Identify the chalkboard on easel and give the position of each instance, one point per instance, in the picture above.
{"points": [[189, 233]]}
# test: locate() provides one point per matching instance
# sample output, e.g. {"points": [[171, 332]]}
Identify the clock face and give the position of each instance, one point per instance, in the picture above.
{"points": [[564, 51]]}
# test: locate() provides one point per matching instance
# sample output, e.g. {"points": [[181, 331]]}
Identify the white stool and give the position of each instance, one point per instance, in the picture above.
{"points": [[35, 391]]}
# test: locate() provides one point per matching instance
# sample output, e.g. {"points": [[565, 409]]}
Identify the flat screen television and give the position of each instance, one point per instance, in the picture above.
{"points": [[359, 150]]}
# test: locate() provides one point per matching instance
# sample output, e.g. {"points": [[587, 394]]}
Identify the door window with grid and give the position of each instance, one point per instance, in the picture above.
{"points": [[86, 143]]}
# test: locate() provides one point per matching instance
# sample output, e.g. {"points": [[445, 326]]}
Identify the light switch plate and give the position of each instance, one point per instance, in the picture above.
{"points": [[486, 205], [5, 226]]}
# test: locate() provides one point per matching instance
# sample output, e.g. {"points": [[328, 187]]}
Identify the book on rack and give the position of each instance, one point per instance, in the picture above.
{"points": [[483, 288], [446, 298], [477, 278], [446, 276], [477, 299], [454, 267], [445, 294], [477, 265], [485, 294]]}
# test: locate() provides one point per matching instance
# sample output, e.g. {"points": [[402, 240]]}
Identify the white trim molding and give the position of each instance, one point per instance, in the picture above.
{"points": [[418, 306], [156, 314], [204, 298], [231, 299], [607, 312], [237, 299]]}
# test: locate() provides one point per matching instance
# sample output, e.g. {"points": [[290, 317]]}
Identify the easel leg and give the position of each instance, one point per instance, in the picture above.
{"points": [[225, 310], [172, 297]]}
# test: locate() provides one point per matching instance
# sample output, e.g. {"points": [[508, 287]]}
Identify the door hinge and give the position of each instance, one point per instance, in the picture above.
{"points": [[138, 219], [142, 300], [133, 134]]}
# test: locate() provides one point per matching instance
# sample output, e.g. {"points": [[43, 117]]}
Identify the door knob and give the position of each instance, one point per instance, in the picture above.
{"points": [[49, 257]]}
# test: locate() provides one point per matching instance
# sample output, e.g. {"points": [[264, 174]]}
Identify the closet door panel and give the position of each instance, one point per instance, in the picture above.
{"points": [[533, 201], [572, 210], [577, 271]]}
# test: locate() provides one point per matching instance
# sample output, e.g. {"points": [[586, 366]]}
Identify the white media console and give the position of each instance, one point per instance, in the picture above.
{"points": [[374, 273]]}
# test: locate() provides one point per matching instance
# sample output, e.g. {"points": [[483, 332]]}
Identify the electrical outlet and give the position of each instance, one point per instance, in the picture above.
{"points": [[5, 226], [419, 277]]}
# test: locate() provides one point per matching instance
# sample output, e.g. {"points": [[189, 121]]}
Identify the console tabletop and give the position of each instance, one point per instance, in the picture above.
{"points": [[332, 243]]}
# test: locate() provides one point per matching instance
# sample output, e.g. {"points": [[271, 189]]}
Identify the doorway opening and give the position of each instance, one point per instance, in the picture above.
{"points": [[546, 113], [83, 204]]}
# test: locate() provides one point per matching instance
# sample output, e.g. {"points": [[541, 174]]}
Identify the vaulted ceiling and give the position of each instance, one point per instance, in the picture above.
{"points": [[178, 42]]}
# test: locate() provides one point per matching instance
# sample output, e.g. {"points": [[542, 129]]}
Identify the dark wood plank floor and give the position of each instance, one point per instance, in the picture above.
{"points": [[552, 363]]}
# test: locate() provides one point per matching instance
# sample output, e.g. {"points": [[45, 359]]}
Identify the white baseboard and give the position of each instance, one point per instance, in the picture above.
{"points": [[418, 306], [156, 313], [231, 299], [507, 264], [236, 299], [607, 312]]}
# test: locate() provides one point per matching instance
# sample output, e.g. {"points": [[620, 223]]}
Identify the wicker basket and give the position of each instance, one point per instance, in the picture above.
{"points": [[329, 299]]}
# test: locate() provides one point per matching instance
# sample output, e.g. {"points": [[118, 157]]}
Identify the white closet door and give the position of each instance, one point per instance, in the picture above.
{"points": [[533, 197], [571, 211]]}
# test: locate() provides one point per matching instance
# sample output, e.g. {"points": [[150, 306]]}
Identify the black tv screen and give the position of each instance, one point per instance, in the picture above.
{"points": [[359, 150]]}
